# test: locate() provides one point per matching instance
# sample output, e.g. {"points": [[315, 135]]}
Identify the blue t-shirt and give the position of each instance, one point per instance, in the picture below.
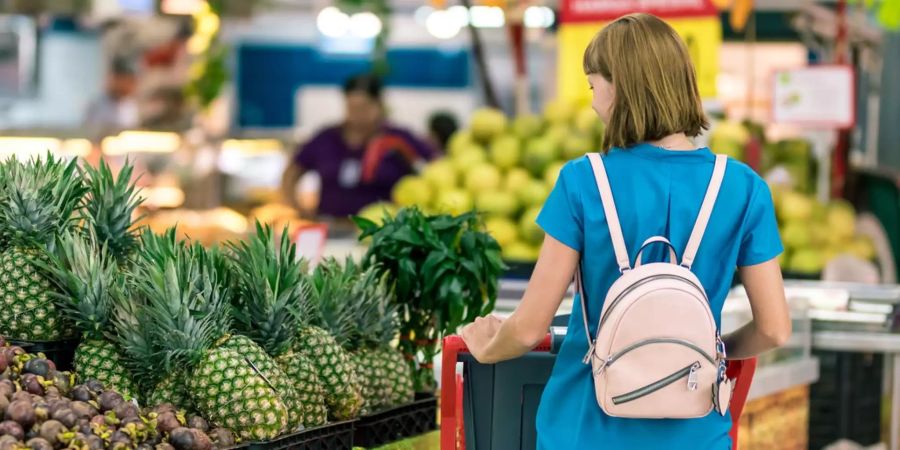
{"points": [[657, 192]]}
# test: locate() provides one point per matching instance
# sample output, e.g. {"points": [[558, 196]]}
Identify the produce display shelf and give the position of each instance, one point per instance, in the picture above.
{"points": [[397, 423], [334, 436]]}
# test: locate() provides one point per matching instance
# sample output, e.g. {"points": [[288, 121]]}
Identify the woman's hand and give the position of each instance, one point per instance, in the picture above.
{"points": [[491, 339], [479, 334]]}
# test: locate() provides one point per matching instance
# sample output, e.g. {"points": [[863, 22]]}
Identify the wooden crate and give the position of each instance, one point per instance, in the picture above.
{"points": [[776, 422]]}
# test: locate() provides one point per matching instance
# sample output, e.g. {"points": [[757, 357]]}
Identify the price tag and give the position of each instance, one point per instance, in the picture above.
{"points": [[818, 96], [310, 240]]}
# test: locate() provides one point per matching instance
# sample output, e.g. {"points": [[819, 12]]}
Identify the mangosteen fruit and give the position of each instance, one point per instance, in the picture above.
{"points": [[166, 422], [4, 363], [4, 403], [41, 411], [94, 442], [38, 444], [182, 439], [8, 443], [120, 437], [164, 446], [32, 384], [51, 431], [198, 423], [38, 366], [21, 396], [7, 388], [63, 382], [95, 386], [83, 426], [81, 393], [144, 446], [201, 440], [126, 409], [83, 410], [52, 392], [66, 416], [165, 407], [99, 419], [222, 437], [10, 428], [109, 400], [136, 422], [22, 412]]}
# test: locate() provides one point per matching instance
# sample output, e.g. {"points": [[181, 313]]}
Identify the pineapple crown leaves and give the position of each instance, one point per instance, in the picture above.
{"points": [[158, 248], [185, 304], [110, 206], [272, 299], [355, 304], [134, 334], [40, 199], [87, 277]]}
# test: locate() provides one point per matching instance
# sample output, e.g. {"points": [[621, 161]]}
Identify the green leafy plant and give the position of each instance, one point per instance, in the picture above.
{"points": [[444, 272]]}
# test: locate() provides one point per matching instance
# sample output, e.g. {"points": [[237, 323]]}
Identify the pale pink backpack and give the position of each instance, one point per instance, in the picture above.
{"points": [[657, 353]]}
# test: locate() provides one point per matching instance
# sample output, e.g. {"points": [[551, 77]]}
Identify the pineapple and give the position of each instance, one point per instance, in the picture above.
{"points": [[269, 307], [87, 277], [191, 324], [135, 333], [363, 297], [343, 394], [39, 201]]}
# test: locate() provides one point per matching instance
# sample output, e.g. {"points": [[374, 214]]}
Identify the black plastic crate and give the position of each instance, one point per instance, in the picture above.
{"points": [[397, 423], [844, 403], [60, 352], [334, 436]]}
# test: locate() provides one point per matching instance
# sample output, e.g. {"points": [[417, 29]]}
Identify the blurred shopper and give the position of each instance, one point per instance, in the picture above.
{"points": [[645, 90], [441, 126], [359, 160], [117, 109]]}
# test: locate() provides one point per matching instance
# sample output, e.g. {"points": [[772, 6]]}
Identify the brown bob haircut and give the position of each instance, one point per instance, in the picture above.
{"points": [[653, 79]]}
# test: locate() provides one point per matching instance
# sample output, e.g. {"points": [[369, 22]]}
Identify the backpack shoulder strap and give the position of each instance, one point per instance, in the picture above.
{"points": [[609, 208], [712, 192]]}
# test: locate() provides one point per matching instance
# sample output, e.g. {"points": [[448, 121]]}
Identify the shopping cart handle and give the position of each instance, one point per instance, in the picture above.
{"points": [[453, 346]]}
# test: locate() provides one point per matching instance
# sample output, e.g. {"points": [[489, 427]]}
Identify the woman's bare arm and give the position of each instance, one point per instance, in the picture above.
{"points": [[491, 340], [771, 324]]}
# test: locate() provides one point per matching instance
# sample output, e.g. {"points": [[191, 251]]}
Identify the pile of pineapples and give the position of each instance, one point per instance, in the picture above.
{"points": [[243, 335]]}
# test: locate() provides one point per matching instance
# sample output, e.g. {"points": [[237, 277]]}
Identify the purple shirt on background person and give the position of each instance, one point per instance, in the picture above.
{"points": [[343, 191]]}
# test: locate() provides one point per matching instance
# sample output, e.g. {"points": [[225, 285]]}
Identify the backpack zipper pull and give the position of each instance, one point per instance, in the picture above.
{"points": [[692, 377], [590, 352]]}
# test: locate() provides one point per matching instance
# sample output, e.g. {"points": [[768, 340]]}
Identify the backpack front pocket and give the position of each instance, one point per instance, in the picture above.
{"points": [[689, 372], [657, 378]]}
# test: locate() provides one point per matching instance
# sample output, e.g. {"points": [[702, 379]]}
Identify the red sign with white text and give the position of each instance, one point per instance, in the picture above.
{"points": [[605, 10]]}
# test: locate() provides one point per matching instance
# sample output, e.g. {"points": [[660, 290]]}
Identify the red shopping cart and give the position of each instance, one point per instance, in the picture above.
{"points": [[453, 407]]}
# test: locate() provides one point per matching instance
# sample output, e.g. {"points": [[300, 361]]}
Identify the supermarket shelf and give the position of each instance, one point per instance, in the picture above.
{"points": [[854, 341], [773, 378]]}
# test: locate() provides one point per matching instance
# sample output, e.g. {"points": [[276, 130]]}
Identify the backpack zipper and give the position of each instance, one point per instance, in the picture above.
{"points": [[690, 372], [612, 358], [641, 283]]}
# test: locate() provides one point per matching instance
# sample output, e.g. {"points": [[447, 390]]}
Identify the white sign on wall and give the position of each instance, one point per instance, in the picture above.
{"points": [[817, 96]]}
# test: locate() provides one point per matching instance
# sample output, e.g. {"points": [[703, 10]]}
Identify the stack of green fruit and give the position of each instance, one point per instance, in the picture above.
{"points": [[504, 169], [814, 233]]}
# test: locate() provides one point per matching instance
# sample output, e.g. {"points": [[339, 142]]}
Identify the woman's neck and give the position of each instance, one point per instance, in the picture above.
{"points": [[675, 142]]}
